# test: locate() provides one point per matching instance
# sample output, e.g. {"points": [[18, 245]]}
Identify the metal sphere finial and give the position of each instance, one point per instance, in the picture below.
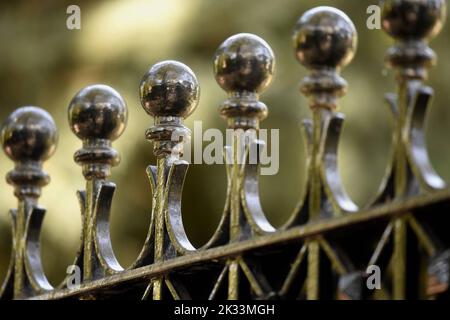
{"points": [[244, 62], [98, 112], [325, 37], [412, 23], [413, 19], [29, 134], [169, 89], [97, 115]]}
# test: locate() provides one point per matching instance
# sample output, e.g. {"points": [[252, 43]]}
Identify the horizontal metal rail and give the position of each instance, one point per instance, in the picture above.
{"points": [[281, 237]]}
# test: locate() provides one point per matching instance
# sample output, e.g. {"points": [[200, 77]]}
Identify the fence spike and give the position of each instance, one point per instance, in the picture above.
{"points": [[29, 137], [169, 92], [97, 116]]}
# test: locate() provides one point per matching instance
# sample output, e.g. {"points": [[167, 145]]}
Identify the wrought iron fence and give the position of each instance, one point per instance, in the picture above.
{"points": [[325, 248]]}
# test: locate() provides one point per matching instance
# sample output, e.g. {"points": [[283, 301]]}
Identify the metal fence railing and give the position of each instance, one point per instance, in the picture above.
{"points": [[395, 247]]}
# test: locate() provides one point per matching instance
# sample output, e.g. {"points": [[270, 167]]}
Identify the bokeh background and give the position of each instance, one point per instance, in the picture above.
{"points": [[44, 64]]}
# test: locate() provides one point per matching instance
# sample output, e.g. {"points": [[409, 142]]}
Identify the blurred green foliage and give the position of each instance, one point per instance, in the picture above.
{"points": [[44, 64]]}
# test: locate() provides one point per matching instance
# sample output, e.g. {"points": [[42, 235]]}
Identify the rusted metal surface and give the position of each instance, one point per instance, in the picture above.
{"points": [[323, 250]]}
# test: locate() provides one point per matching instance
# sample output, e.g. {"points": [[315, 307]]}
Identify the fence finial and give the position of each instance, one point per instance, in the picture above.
{"points": [[325, 41], [244, 65], [413, 23], [97, 115], [29, 136], [169, 92]]}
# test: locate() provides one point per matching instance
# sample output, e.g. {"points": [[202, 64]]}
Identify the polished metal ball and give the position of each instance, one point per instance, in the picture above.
{"points": [[325, 37], [169, 89], [244, 62], [413, 19], [29, 134], [98, 112]]}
